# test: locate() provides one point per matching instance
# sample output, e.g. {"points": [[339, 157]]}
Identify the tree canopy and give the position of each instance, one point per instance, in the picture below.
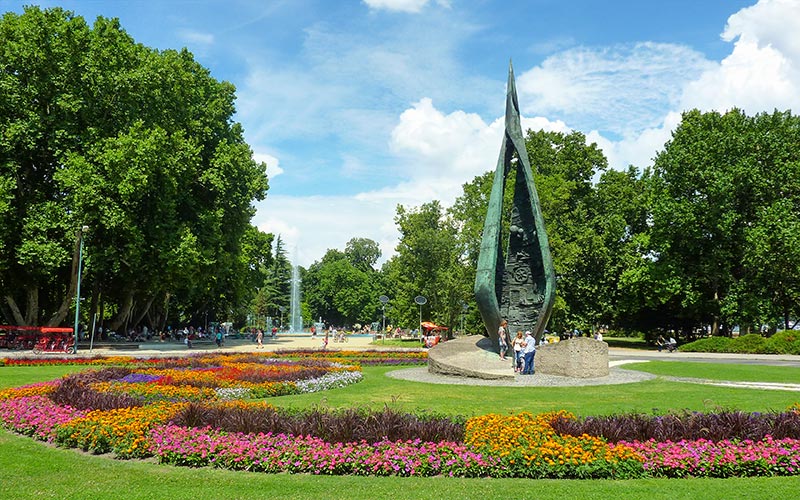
{"points": [[137, 144]]}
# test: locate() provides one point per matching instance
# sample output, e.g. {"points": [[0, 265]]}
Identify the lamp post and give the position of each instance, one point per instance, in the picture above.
{"points": [[421, 301], [464, 308], [81, 232], [281, 309], [384, 299]]}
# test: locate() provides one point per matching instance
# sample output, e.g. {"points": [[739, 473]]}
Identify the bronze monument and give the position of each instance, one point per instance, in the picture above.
{"points": [[519, 284]]}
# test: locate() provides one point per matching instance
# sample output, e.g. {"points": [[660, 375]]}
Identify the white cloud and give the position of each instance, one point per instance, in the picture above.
{"points": [[638, 93], [636, 149], [629, 97], [438, 153], [772, 22], [619, 89], [456, 146], [762, 71], [273, 164], [196, 37], [410, 6], [314, 224]]}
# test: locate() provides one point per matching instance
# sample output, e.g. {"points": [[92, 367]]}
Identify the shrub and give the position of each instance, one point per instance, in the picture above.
{"points": [[335, 426], [784, 342], [76, 391], [711, 344], [684, 426], [749, 344]]}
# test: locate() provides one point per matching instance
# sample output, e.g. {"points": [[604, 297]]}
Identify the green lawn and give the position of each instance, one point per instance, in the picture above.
{"points": [[34, 470], [720, 371]]}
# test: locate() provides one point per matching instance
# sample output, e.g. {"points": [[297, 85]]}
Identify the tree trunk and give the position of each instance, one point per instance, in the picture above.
{"points": [[145, 310], [32, 313], [123, 313], [166, 311], [12, 305], [95, 297]]}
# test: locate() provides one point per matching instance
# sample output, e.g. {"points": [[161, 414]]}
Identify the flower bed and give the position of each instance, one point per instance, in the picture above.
{"points": [[197, 411]]}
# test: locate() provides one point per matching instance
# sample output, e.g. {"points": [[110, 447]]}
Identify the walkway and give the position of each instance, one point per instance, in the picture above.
{"points": [[500, 373]]}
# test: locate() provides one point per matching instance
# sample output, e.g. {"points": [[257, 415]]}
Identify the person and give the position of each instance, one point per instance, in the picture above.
{"points": [[189, 338], [519, 345], [672, 345], [502, 339], [259, 339], [660, 343], [599, 336], [218, 338], [325, 340], [528, 353]]}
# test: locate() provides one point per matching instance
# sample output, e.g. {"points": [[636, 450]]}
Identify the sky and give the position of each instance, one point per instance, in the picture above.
{"points": [[357, 106]]}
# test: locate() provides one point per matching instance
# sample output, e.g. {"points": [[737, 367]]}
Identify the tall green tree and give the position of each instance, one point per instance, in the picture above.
{"points": [[343, 287], [428, 263], [137, 144], [723, 195]]}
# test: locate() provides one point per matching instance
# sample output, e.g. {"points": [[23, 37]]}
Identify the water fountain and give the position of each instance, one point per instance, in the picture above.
{"points": [[295, 314]]}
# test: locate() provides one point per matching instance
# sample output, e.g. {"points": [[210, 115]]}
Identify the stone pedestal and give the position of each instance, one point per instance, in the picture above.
{"points": [[579, 358]]}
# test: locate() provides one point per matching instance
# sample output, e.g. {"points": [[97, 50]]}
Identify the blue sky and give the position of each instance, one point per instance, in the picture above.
{"points": [[358, 105]]}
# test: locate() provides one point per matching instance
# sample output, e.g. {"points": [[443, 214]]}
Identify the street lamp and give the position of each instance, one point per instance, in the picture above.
{"points": [[81, 232], [384, 299], [281, 309], [464, 308], [421, 301]]}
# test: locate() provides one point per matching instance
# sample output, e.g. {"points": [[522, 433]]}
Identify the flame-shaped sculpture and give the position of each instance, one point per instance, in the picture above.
{"points": [[519, 288]]}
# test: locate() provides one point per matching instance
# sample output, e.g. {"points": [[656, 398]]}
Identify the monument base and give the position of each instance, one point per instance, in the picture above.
{"points": [[579, 358]]}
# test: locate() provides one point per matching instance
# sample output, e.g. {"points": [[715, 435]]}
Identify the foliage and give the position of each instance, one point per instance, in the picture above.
{"points": [[494, 445], [710, 344], [528, 446], [333, 426], [716, 426], [705, 458], [135, 143], [343, 288], [783, 342], [723, 195], [307, 454], [428, 263], [749, 344], [122, 430]]}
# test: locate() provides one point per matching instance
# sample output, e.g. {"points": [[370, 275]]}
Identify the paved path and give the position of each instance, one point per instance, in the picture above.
{"points": [[617, 357], [155, 349], [631, 355]]}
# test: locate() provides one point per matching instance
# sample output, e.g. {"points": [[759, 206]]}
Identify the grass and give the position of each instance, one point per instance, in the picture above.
{"points": [[720, 371], [35, 470], [662, 396], [627, 343]]}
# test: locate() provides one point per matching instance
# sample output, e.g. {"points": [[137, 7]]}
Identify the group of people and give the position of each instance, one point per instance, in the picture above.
{"points": [[524, 347]]}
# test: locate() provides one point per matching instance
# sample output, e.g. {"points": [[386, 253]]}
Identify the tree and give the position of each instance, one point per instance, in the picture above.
{"points": [[363, 253], [724, 192], [428, 263], [138, 145], [565, 167], [342, 287]]}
